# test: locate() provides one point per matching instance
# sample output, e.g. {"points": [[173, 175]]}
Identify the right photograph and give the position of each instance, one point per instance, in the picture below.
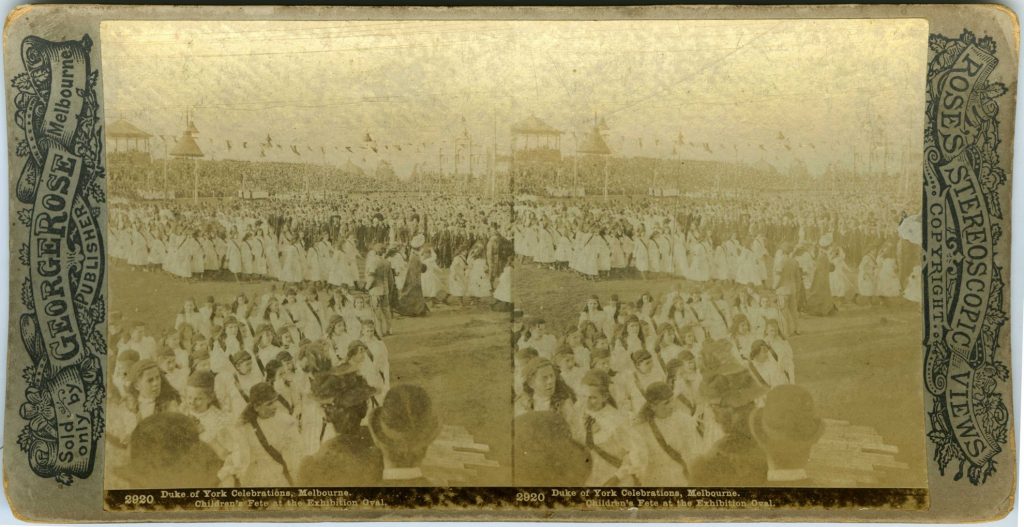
{"points": [[717, 275]]}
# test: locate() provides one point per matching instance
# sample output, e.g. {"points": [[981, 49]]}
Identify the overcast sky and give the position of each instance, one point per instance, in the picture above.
{"points": [[830, 87]]}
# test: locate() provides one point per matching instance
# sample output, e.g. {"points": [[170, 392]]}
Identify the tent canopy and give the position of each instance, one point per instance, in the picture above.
{"points": [[122, 129], [186, 147], [593, 144], [533, 125]]}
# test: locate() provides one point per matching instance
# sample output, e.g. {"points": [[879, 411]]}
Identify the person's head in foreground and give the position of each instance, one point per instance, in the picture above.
{"points": [[735, 459], [545, 452], [787, 428], [344, 398], [165, 452], [404, 426]]}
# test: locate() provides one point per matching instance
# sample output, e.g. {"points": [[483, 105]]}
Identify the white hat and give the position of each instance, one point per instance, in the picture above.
{"points": [[825, 240], [417, 241]]}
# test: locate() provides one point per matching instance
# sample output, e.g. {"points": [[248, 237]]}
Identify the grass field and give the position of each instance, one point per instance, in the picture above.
{"points": [[459, 355], [862, 365]]}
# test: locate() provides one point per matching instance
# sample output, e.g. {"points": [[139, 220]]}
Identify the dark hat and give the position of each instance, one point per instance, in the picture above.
{"points": [[640, 355], [719, 359], [128, 357], [239, 356], [732, 389], [526, 353], [517, 314], [405, 420], [788, 413], [284, 356], [657, 392], [261, 393], [201, 379], [564, 349], [355, 344], [346, 390], [139, 368], [597, 378], [165, 449], [533, 366]]}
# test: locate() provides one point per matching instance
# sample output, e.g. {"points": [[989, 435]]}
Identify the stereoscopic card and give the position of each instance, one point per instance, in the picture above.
{"points": [[658, 264]]}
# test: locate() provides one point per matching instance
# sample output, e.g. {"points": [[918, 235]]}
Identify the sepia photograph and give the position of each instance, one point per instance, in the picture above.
{"points": [[310, 246], [495, 253], [717, 245]]}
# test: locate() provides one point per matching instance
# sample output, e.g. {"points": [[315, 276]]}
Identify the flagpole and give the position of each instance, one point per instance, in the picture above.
{"points": [[165, 166]]}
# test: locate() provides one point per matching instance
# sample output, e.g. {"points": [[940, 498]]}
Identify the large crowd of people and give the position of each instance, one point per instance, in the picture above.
{"points": [[279, 390], [445, 249], [682, 388], [675, 389], [282, 386], [850, 247], [650, 387]]}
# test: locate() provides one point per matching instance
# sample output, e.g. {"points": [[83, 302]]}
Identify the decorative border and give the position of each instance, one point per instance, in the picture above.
{"points": [[60, 190], [963, 286]]}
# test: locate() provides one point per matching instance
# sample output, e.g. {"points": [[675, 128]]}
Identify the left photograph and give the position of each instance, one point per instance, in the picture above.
{"points": [[310, 259]]}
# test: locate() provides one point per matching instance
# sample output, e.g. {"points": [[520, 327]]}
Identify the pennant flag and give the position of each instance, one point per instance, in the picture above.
{"points": [[386, 147], [367, 138], [781, 137], [374, 149], [263, 153], [788, 147], [679, 140], [309, 148], [295, 150], [399, 147], [269, 141], [762, 147], [278, 146], [229, 144], [245, 144], [707, 147], [323, 149], [349, 148]]}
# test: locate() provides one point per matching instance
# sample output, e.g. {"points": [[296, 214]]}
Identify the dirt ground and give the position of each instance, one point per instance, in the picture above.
{"points": [[862, 365], [459, 355]]}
